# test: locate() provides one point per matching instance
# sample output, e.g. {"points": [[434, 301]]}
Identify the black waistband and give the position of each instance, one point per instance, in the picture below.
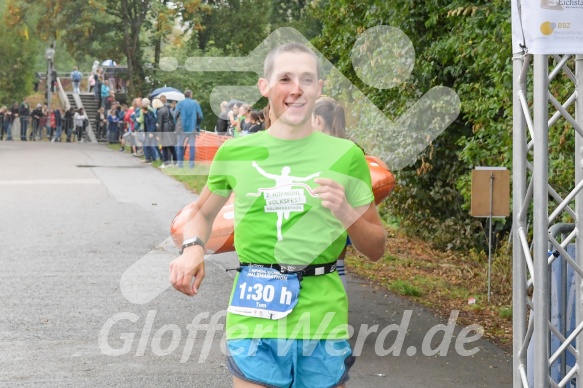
{"points": [[309, 270]]}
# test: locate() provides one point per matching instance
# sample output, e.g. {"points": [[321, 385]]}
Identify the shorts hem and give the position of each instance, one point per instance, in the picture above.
{"points": [[348, 364], [240, 375]]}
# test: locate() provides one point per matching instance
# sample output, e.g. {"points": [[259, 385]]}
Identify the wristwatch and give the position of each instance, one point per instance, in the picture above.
{"points": [[190, 242]]}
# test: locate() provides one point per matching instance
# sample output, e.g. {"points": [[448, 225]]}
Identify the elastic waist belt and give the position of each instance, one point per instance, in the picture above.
{"points": [[309, 270]]}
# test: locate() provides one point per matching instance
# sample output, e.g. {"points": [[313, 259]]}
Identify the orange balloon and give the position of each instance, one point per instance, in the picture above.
{"points": [[382, 180]]}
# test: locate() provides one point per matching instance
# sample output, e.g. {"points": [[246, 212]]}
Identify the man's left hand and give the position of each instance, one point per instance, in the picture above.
{"points": [[332, 195]]}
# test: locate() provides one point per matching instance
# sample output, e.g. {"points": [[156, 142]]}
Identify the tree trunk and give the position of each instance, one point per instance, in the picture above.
{"points": [[137, 57], [158, 39], [135, 68], [157, 46], [130, 58], [202, 38]]}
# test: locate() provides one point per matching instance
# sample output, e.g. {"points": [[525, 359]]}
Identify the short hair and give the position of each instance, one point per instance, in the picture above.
{"points": [[188, 93], [293, 47], [157, 103]]}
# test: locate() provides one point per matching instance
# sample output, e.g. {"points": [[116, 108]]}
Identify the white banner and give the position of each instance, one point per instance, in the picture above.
{"points": [[548, 26]]}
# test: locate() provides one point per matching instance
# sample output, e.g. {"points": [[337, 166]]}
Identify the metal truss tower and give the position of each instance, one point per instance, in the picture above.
{"points": [[536, 114]]}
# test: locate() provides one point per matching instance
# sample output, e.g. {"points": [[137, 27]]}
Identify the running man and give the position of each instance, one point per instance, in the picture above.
{"points": [[278, 336], [280, 195]]}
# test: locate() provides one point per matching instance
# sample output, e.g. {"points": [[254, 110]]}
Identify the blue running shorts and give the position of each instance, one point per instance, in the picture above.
{"points": [[283, 363]]}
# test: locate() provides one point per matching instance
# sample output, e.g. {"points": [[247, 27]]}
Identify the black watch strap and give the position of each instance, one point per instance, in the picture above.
{"points": [[190, 242]]}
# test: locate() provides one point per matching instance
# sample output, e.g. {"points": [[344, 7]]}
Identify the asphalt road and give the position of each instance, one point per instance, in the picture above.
{"points": [[85, 302]]}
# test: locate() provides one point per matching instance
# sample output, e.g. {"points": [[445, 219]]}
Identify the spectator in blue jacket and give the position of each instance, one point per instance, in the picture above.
{"points": [[59, 113], [149, 123], [113, 120], [189, 113]]}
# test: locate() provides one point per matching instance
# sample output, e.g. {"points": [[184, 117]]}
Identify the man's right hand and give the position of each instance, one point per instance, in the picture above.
{"points": [[187, 271], [190, 265]]}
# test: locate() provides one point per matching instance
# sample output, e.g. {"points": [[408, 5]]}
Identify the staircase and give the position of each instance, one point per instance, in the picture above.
{"points": [[89, 104], [72, 101]]}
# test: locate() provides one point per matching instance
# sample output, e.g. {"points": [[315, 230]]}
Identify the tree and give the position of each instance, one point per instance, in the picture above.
{"points": [[295, 14], [234, 26], [457, 45], [102, 27], [237, 26], [17, 47], [201, 83], [129, 17]]}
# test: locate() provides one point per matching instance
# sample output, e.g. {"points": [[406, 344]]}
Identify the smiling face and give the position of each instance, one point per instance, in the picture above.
{"points": [[292, 89]]}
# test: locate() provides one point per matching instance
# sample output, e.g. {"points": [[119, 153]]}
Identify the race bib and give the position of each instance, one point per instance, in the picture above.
{"points": [[264, 293]]}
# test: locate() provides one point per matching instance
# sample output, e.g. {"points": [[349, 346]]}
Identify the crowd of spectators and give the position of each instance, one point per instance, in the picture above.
{"points": [[155, 130], [158, 129], [42, 123], [238, 119]]}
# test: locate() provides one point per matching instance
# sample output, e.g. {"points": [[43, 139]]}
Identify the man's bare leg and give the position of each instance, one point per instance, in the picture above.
{"points": [[238, 383]]}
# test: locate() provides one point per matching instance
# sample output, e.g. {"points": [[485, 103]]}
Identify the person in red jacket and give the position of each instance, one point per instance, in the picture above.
{"points": [[128, 137]]}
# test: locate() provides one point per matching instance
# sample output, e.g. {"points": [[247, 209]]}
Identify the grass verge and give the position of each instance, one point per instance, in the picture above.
{"points": [[193, 179], [444, 281]]}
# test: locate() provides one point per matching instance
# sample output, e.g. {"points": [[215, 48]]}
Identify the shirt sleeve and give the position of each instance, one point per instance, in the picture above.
{"points": [[199, 113], [219, 182]]}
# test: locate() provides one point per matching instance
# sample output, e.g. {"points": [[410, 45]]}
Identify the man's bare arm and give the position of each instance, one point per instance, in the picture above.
{"points": [[363, 224], [190, 265], [367, 233]]}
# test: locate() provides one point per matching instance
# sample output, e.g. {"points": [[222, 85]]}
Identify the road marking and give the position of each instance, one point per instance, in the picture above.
{"points": [[51, 182]]}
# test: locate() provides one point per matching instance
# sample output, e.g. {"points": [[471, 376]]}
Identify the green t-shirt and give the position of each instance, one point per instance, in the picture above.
{"points": [[279, 220]]}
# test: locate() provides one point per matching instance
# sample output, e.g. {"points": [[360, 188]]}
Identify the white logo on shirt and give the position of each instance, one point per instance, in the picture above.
{"points": [[283, 198]]}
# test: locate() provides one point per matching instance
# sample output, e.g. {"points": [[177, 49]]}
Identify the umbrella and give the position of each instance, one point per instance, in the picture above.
{"points": [[172, 96], [162, 90], [109, 62]]}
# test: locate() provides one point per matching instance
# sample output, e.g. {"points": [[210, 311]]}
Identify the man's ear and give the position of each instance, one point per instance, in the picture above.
{"points": [[320, 85], [263, 85]]}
